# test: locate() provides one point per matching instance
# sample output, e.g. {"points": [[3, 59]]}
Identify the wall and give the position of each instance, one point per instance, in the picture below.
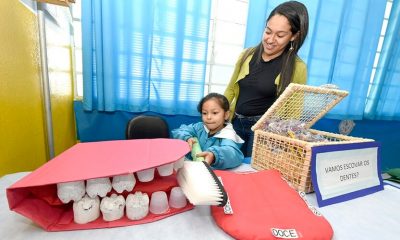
{"points": [[95, 126], [23, 144], [22, 138]]}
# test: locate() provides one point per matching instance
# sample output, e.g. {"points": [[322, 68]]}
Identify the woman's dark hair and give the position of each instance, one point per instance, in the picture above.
{"points": [[221, 99], [297, 15]]}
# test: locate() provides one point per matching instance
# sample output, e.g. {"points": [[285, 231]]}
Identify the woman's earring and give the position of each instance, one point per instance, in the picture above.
{"points": [[291, 46]]}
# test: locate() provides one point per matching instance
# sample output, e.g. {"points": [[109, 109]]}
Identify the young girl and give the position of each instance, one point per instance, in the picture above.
{"points": [[219, 142]]}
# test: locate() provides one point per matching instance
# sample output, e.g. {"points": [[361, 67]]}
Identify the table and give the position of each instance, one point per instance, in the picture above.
{"points": [[375, 216]]}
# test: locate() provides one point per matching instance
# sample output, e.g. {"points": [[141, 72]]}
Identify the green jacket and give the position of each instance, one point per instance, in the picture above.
{"points": [[232, 90]]}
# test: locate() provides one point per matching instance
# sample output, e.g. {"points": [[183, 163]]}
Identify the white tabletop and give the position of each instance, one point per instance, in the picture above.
{"points": [[376, 216]]}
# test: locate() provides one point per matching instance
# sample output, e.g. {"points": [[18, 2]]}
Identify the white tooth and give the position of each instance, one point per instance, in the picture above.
{"points": [[71, 191], [98, 187], [112, 207], [146, 175], [179, 164], [86, 210], [166, 170], [177, 198], [125, 182], [137, 205], [159, 202]]}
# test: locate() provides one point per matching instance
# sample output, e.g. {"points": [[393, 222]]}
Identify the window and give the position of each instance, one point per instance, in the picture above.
{"points": [[77, 36], [381, 38], [226, 39]]}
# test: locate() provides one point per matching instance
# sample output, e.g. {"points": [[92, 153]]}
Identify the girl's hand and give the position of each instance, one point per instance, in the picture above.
{"points": [[208, 157], [191, 141]]}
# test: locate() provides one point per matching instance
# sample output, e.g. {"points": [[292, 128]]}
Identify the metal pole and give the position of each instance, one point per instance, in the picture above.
{"points": [[45, 79]]}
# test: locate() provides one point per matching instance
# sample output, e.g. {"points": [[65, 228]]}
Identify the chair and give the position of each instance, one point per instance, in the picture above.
{"points": [[147, 127]]}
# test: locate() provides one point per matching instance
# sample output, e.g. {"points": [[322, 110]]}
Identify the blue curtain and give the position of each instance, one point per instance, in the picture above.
{"points": [[384, 99], [340, 47], [144, 55]]}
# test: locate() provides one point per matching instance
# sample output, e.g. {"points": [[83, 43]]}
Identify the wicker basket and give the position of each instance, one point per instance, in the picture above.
{"points": [[291, 156]]}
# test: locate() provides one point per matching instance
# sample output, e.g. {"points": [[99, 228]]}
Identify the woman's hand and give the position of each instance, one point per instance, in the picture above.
{"points": [[208, 157]]}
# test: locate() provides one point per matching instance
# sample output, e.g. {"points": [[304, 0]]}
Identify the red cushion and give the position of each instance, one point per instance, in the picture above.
{"points": [[264, 204]]}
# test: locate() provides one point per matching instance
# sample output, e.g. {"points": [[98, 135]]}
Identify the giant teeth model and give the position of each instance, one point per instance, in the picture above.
{"points": [[112, 207], [71, 191], [86, 210], [137, 205], [98, 187], [124, 183]]}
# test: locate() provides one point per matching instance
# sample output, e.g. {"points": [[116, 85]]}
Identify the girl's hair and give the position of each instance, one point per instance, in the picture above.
{"points": [[221, 99], [297, 15]]}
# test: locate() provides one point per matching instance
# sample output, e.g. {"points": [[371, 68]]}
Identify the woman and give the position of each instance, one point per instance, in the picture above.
{"points": [[263, 72]]}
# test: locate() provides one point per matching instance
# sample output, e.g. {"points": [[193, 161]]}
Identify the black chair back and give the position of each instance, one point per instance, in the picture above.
{"points": [[147, 127]]}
